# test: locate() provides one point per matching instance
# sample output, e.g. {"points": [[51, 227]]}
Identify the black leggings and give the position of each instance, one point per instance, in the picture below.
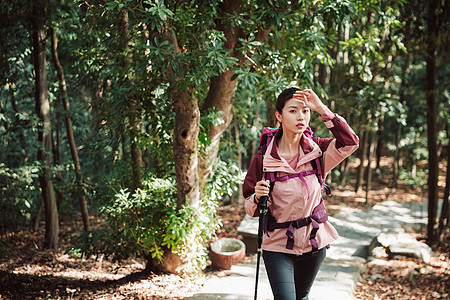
{"points": [[291, 276]]}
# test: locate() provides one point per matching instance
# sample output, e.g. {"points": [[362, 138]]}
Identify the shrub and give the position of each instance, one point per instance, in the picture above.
{"points": [[148, 222], [17, 195]]}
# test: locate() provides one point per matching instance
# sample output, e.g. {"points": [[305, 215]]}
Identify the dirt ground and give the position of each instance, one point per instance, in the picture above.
{"points": [[407, 278], [29, 272]]}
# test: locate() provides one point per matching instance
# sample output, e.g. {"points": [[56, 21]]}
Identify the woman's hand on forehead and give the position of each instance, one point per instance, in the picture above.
{"points": [[310, 100]]}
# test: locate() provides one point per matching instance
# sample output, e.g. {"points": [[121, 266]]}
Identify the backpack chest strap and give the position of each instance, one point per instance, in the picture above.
{"points": [[272, 178]]}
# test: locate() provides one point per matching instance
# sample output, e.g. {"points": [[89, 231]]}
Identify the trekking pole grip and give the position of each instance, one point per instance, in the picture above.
{"points": [[263, 202], [262, 211]]}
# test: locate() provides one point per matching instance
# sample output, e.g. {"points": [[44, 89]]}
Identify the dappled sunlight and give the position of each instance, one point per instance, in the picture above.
{"points": [[39, 273], [405, 278], [163, 285], [70, 267]]}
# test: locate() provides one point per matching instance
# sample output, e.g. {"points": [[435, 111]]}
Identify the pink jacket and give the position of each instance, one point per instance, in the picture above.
{"points": [[289, 199]]}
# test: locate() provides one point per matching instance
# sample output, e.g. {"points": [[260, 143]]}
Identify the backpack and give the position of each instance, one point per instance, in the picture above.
{"points": [[319, 214]]}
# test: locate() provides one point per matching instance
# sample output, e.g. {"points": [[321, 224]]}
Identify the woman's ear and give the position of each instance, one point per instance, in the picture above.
{"points": [[279, 117]]}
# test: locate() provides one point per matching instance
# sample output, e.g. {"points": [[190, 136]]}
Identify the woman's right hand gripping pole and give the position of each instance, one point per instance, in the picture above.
{"points": [[262, 188]]}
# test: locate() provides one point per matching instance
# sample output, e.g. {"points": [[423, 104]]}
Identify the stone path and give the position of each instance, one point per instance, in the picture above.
{"points": [[345, 259]]}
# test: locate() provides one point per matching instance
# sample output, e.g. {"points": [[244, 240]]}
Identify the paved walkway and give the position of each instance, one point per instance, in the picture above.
{"points": [[345, 259]]}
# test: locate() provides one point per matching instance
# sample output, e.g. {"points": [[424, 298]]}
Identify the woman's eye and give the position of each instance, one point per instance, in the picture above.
{"points": [[292, 111]]}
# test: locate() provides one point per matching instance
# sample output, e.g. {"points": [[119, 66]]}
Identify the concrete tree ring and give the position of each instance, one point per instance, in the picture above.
{"points": [[226, 252]]}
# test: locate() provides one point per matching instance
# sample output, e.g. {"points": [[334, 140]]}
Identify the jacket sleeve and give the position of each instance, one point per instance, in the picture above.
{"points": [[254, 174], [344, 143]]}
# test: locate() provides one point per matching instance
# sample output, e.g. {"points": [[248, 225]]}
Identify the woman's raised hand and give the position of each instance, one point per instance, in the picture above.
{"points": [[311, 100]]}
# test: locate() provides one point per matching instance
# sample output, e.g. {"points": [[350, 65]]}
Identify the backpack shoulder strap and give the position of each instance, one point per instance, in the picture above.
{"points": [[265, 138], [264, 142], [317, 164]]}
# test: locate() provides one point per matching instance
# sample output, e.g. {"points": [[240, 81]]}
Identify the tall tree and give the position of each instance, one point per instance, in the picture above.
{"points": [[193, 169], [132, 100], [231, 26], [185, 133], [44, 133], [444, 220], [363, 150], [69, 130], [430, 89]]}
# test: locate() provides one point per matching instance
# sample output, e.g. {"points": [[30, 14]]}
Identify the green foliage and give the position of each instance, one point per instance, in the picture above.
{"points": [[418, 180], [223, 181], [17, 191], [213, 117], [159, 13], [148, 221]]}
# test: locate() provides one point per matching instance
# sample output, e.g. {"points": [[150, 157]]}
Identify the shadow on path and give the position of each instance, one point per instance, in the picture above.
{"points": [[24, 286]]}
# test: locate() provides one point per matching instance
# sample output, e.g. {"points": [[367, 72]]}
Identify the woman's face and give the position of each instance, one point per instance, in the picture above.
{"points": [[294, 117]]}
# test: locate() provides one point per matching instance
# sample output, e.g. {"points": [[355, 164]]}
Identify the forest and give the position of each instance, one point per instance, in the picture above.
{"points": [[134, 121]]}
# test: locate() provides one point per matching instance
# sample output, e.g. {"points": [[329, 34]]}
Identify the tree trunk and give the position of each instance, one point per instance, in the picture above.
{"points": [[379, 140], [254, 143], [57, 160], [444, 220], [37, 218], [185, 135], [69, 130], [363, 160], [370, 155], [96, 125], [343, 167], [398, 135], [220, 95], [44, 132], [270, 113], [346, 38], [431, 120], [239, 157], [396, 164], [133, 103], [324, 75]]}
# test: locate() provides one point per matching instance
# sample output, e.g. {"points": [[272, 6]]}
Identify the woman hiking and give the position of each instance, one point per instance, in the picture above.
{"points": [[290, 168]]}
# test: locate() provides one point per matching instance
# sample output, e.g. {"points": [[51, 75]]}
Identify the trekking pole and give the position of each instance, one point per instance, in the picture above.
{"points": [[262, 212]]}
